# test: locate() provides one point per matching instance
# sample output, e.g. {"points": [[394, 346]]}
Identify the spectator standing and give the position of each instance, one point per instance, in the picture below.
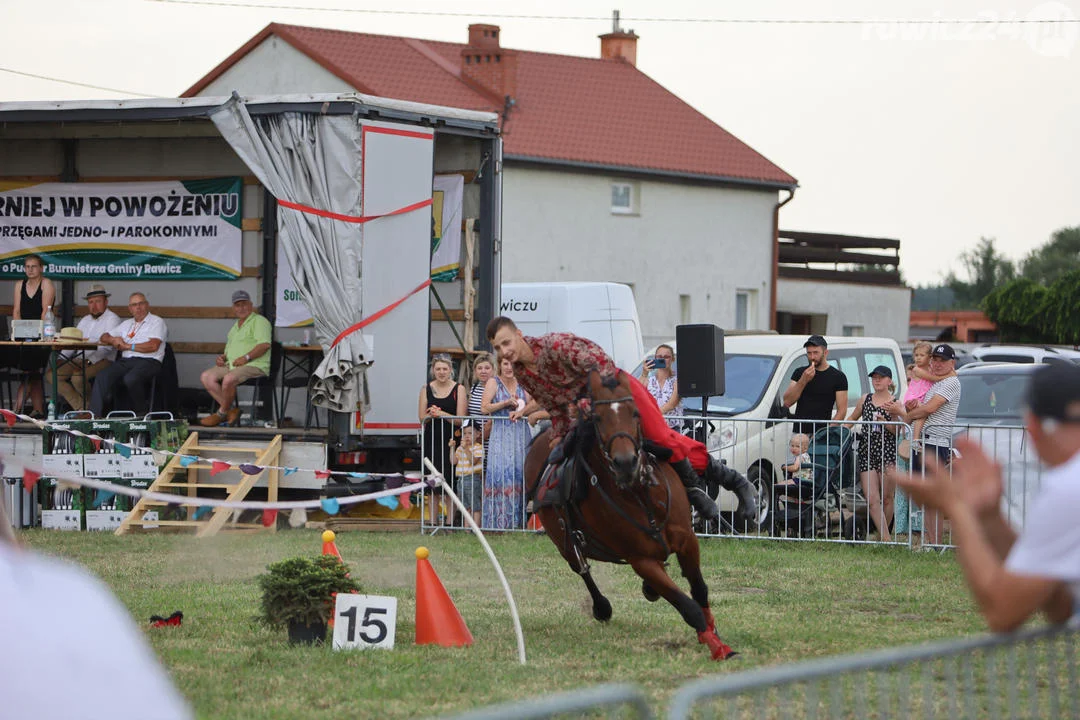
{"points": [[140, 340], [442, 401], [920, 382], [816, 389], [877, 449], [658, 376], [246, 357], [34, 295], [939, 408], [504, 486], [77, 369], [1013, 576]]}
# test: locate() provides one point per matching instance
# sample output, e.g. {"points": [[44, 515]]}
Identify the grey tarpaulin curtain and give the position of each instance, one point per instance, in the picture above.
{"points": [[314, 160]]}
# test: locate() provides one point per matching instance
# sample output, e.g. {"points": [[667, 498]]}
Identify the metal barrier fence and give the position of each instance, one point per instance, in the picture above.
{"points": [[1030, 674], [837, 492], [616, 700]]}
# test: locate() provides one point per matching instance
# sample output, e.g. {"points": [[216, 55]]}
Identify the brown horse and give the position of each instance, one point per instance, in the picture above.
{"points": [[628, 508]]}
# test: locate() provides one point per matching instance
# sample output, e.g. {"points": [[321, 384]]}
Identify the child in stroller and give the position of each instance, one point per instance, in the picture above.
{"points": [[806, 502]]}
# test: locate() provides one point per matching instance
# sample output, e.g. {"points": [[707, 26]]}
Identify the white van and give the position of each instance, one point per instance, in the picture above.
{"points": [[603, 312], [747, 428]]}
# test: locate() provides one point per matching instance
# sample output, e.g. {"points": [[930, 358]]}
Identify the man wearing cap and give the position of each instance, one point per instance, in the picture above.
{"points": [[817, 388], [140, 341], [939, 408], [246, 356], [1015, 575], [76, 369]]}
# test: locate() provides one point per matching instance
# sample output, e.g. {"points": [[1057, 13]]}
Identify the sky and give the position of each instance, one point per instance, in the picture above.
{"points": [[908, 126]]}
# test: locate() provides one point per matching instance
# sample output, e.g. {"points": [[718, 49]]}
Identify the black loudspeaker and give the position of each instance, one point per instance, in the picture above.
{"points": [[700, 359]]}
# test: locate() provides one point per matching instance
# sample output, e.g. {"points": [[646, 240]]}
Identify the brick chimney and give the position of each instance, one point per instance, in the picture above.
{"points": [[619, 43], [487, 64]]}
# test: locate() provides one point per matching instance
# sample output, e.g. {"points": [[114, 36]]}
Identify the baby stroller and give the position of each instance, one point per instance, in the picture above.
{"points": [[817, 507]]}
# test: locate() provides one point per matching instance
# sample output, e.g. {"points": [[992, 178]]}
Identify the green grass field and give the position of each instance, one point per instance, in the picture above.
{"points": [[774, 602]]}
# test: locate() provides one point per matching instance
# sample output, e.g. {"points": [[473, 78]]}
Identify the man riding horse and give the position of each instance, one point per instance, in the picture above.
{"points": [[554, 369]]}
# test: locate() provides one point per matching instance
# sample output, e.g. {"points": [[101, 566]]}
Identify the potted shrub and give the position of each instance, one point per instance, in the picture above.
{"points": [[299, 593]]}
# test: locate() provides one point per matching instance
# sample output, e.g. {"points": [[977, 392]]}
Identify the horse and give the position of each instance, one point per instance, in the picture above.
{"points": [[628, 508]]}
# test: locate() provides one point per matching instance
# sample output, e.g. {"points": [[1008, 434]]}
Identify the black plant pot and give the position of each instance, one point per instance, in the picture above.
{"points": [[300, 634]]}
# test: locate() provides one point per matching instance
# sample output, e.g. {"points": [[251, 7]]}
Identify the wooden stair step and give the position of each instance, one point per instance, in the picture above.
{"points": [[227, 448], [207, 486]]}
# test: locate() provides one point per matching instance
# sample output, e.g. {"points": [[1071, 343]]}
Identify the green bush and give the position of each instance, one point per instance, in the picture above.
{"points": [[301, 589]]}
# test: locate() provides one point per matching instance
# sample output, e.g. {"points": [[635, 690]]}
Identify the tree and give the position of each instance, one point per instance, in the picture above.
{"points": [[986, 269], [1018, 309], [1050, 261], [1062, 321]]}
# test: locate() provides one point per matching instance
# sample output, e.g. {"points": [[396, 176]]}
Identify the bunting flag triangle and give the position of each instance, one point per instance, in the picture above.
{"points": [[124, 450], [389, 502], [202, 511], [97, 443], [330, 506], [218, 466], [269, 518], [250, 469], [9, 417], [322, 474], [30, 478], [290, 470], [405, 500], [186, 460]]}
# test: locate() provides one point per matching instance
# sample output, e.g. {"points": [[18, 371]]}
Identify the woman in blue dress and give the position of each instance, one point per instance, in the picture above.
{"points": [[504, 484]]}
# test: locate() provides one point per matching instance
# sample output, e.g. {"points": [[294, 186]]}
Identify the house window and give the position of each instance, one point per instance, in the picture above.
{"points": [[623, 199], [852, 331], [684, 309], [745, 305]]}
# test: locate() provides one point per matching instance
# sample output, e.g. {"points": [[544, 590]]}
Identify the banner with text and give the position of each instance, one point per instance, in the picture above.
{"points": [[290, 309], [173, 230]]}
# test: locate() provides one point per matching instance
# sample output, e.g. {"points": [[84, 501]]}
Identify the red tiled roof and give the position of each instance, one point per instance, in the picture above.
{"points": [[567, 109]]}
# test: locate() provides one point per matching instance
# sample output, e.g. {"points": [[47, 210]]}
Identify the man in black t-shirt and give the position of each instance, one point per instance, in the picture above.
{"points": [[817, 388]]}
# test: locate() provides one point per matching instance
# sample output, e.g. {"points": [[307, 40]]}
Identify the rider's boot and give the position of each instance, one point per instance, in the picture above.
{"points": [[705, 506], [717, 473]]}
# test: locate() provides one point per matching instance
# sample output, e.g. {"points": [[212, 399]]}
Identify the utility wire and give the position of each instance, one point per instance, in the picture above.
{"points": [[73, 82], [719, 21]]}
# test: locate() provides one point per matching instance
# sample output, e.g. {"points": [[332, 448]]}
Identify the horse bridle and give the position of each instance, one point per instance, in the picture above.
{"points": [[605, 444]]}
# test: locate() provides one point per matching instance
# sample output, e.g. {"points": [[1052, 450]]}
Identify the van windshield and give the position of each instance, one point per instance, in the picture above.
{"points": [[746, 378]]}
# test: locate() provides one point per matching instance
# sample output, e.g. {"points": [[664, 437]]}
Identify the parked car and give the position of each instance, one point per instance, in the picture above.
{"points": [[991, 412], [1025, 354], [748, 426]]}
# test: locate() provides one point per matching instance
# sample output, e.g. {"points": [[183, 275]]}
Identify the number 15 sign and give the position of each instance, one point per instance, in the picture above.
{"points": [[364, 621]]}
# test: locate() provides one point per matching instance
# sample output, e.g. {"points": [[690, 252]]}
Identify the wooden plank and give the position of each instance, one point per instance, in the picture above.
{"points": [[251, 224], [269, 456], [451, 315], [805, 254], [198, 348], [858, 277], [838, 241], [135, 516], [254, 271]]}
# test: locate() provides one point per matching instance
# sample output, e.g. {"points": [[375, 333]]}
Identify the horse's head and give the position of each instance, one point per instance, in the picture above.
{"points": [[610, 407]]}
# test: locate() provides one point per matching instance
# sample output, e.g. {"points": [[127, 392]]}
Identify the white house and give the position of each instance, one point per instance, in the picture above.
{"points": [[606, 175]]}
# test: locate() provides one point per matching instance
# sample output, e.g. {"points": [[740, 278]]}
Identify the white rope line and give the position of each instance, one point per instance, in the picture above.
{"points": [[137, 450]]}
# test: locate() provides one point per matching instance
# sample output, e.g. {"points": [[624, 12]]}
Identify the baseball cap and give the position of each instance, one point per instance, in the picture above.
{"points": [[241, 295], [882, 370], [816, 340], [1054, 392], [943, 351]]}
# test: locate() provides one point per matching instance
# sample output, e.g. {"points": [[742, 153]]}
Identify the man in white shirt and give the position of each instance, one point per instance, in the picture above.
{"points": [[56, 667], [75, 369], [140, 342], [1013, 576]]}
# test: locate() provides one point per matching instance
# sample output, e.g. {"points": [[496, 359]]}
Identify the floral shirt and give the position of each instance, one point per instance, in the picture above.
{"points": [[563, 362]]}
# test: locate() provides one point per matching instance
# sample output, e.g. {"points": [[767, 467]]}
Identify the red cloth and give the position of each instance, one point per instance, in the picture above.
{"points": [[655, 428]]}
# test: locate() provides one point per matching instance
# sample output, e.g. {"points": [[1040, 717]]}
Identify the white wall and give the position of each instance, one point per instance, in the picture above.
{"points": [[882, 311], [705, 242], [275, 67]]}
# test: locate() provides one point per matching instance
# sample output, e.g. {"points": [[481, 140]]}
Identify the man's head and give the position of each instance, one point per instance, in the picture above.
{"points": [[97, 300], [1053, 416], [817, 351], [241, 304], [139, 306], [942, 359], [506, 339]]}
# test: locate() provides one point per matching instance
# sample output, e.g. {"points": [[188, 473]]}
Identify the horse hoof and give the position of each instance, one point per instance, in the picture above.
{"points": [[602, 610], [650, 594], [718, 649]]}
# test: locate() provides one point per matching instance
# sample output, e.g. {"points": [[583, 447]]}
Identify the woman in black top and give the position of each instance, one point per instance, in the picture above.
{"points": [[441, 400], [33, 296]]}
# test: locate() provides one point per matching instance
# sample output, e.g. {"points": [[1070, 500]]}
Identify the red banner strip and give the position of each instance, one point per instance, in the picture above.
{"points": [[372, 318], [353, 218]]}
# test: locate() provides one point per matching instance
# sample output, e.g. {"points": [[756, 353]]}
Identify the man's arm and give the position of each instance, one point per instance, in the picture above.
{"points": [[255, 352], [925, 410], [794, 390], [841, 405]]}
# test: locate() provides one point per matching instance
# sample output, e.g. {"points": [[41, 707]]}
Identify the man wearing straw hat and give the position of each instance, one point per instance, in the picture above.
{"points": [[75, 370]]}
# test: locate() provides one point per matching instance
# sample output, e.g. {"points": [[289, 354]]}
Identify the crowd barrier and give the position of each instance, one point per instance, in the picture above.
{"points": [[841, 495]]}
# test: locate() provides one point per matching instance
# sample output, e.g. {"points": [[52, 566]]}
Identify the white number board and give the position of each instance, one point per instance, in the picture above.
{"points": [[364, 621]]}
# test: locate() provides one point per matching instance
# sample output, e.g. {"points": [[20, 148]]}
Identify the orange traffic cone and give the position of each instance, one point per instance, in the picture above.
{"points": [[329, 547], [437, 620]]}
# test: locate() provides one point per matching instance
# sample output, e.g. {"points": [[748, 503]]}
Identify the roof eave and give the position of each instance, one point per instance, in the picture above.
{"points": [[726, 180]]}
